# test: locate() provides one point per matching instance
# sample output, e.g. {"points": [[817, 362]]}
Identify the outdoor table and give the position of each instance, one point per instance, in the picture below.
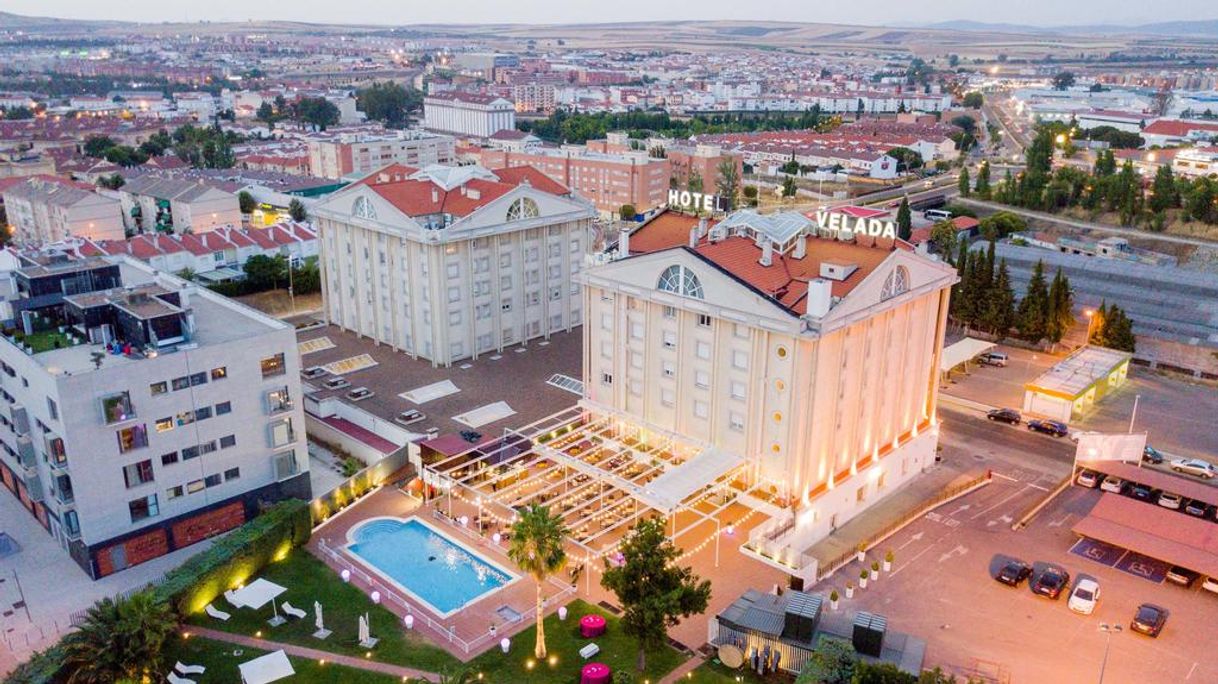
{"points": [[591, 626], [595, 673]]}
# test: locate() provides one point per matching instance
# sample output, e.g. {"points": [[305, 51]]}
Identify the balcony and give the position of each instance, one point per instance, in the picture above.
{"points": [[56, 454], [33, 488], [26, 457], [19, 418]]}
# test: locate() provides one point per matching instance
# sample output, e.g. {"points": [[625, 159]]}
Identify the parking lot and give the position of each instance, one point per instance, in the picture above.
{"points": [[941, 586]]}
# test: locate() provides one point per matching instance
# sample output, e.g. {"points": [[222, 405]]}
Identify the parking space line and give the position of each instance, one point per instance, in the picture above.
{"points": [[982, 512]]}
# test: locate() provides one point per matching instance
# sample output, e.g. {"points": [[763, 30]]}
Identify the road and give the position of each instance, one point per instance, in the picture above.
{"points": [[1087, 225]]}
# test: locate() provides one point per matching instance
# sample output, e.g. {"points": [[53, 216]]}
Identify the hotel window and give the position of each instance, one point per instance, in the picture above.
{"points": [[174, 492], [203, 413], [680, 280], [232, 474], [207, 447], [211, 480], [703, 350], [701, 409], [741, 331], [186, 418], [702, 379], [132, 438], [669, 339], [52, 409], [219, 373], [224, 407], [896, 283], [668, 369], [636, 360], [137, 473], [607, 349], [670, 312], [606, 378], [158, 388], [738, 390], [505, 260], [740, 360], [860, 494], [636, 330], [198, 379], [194, 486], [144, 507], [181, 383], [454, 318], [453, 269], [735, 422], [667, 397], [704, 320], [282, 433], [606, 321], [164, 424], [273, 365], [169, 458], [505, 283], [190, 452], [117, 407]]}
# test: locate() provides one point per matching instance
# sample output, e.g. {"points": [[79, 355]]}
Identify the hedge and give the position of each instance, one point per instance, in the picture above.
{"points": [[237, 557], [42, 668]]}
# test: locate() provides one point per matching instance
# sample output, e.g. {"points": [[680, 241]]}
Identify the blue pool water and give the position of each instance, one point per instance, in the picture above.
{"points": [[426, 563]]}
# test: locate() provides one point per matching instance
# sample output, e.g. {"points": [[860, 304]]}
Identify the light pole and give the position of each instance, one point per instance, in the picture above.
{"points": [[1134, 414], [1109, 630], [1090, 314]]}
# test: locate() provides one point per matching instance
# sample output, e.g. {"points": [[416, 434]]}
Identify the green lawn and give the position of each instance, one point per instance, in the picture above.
{"points": [[308, 579], [46, 340], [563, 641], [221, 665], [712, 672]]}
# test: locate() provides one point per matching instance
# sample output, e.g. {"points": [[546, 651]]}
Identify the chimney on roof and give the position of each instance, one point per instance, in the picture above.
{"points": [[801, 246], [820, 297], [693, 237], [767, 253], [623, 243], [435, 195], [702, 227]]}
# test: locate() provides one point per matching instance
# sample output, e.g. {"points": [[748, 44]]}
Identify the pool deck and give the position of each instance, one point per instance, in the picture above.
{"points": [[732, 576]]}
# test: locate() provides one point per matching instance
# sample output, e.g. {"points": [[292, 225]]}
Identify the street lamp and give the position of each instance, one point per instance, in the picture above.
{"points": [[1109, 630], [1090, 314]]}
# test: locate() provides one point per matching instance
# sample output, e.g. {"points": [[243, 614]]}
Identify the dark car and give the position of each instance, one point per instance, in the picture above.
{"points": [[1051, 582], [1199, 509], [1049, 427], [1014, 573], [1182, 576], [1149, 620], [1151, 455], [1010, 416], [1141, 492]]}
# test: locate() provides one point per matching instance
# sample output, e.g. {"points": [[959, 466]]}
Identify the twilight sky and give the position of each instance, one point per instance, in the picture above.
{"points": [[1041, 12]]}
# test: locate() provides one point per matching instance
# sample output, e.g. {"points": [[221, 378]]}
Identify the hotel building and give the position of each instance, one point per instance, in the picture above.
{"points": [[470, 114], [339, 154], [808, 354], [446, 263], [140, 414]]}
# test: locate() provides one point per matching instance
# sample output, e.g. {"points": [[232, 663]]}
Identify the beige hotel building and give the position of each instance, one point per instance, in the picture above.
{"points": [[809, 353]]}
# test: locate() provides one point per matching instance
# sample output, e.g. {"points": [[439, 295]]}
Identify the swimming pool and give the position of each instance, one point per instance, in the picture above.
{"points": [[425, 563]]}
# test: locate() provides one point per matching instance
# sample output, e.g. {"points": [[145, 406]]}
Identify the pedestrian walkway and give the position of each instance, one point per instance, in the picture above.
{"points": [[314, 654], [682, 670]]}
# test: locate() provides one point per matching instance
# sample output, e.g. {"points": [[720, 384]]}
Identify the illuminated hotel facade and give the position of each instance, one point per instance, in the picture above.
{"points": [[810, 351]]}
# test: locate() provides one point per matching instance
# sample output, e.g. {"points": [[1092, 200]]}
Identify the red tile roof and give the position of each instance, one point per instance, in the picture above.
{"points": [[1179, 129], [669, 229], [421, 197], [534, 177]]}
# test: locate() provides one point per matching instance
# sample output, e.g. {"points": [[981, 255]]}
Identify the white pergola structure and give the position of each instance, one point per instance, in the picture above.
{"points": [[600, 473]]}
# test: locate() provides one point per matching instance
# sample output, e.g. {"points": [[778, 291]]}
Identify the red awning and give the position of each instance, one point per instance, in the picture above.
{"points": [[1151, 530]]}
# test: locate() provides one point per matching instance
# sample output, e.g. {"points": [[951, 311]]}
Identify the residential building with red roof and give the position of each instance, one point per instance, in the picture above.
{"points": [[1167, 132], [494, 251], [47, 208], [799, 354]]}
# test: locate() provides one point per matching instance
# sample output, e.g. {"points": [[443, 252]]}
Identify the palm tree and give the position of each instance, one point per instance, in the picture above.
{"points": [[537, 548], [119, 639]]}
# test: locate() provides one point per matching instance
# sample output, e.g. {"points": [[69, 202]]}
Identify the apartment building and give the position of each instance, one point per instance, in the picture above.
{"points": [[49, 208], [534, 97], [340, 154], [141, 414], [472, 114], [447, 263], [608, 181], [806, 349], [156, 203]]}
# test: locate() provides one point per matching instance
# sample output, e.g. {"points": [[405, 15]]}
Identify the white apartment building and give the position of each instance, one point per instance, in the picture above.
{"points": [[340, 154], [452, 262], [1195, 162], [804, 354], [155, 203], [141, 414], [471, 114], [48, 209]]}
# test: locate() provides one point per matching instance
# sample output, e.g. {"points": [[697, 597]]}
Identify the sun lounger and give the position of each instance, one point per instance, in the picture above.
{"points": [[290, 610], [589, 651], [173, 678], [216, 612], [189, 669], [228, 596]]}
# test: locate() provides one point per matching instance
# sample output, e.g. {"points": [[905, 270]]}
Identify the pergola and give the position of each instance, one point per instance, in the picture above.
{"points": [[600, 473]]}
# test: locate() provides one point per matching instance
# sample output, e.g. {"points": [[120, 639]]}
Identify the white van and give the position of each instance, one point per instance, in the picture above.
{"points": [[937, 215], [994, 359]]}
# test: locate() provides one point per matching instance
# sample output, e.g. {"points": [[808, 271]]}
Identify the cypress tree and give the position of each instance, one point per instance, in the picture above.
{"points": [[904, 220], [1034, 306], [983, 181], [963, 183], [1000, 303]]}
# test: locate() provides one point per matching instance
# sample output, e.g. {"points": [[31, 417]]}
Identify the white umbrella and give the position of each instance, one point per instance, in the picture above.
{"points": [[317, 610], [363, 629]]}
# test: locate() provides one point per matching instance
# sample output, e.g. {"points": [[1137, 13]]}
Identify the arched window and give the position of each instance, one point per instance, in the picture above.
{"points": [[363, 208], [523, 208], [680, 280], [896, 283]]}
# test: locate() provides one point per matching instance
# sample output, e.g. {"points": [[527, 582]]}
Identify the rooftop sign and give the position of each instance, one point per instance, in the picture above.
{"points": [[847, 227]]}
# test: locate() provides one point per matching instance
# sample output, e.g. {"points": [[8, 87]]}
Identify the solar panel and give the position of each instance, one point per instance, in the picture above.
{"points": [[566, 382]]}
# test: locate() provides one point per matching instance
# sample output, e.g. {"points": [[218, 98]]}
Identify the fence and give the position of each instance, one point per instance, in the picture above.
{"points": [[938, 500], [356, 486]]}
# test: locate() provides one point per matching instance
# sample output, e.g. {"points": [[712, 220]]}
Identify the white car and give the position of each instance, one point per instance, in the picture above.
{"points": [[1210, 584], [1172, 501], [1075, 434], [1088, 478], [1084, 597], [1112, 484], [1194, 466]]}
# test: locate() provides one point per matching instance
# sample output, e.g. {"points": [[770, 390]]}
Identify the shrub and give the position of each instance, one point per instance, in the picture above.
{"points": [[237, 557], [42, 668]]}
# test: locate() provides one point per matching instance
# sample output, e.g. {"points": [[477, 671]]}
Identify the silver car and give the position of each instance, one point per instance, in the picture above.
{"points": [[1194, 466]]}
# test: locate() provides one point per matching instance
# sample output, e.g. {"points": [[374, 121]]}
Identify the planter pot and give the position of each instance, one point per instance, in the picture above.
{"points": [[833, 604], [861, 555], [849, 592], [875, 575], [862, 583], [887, 566]]}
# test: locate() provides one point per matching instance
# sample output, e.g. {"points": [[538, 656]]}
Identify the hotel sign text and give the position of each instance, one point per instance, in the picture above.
{"points": [[847, 226]]}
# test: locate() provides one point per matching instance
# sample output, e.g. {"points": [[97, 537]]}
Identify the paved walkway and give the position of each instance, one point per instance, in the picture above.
{"points": [[314, 654], [682, 670]]}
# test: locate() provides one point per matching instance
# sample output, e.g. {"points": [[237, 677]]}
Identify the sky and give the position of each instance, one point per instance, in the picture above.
{"points": [[868, 12]]}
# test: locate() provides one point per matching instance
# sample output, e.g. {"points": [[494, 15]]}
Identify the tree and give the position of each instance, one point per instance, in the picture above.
{"points": [[266, 113], [973, 100], [318, 112], [119, 639], [537, 548], [999, 312], [880, 673], [1063, 80], [1164, 193], [247, 202], [264, 272], [1034, 307], [653, 591], [788, 186], [1060, 315], [943, 237], [627, 212], [17, 113], [963, 183], [965, 123], [983, 180], [694, 184], [907, 159], [297, 210], [389, 103], [727, 184], [904, 220], [96, 145], [1112, 328], [111, 182], [832, 662]]}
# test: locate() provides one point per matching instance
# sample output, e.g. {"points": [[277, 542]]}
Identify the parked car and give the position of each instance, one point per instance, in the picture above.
{"points": [[1141, 492], [1005, 415], [993, 359], [1089, 479], [336, 383], [1194, 466], [1049, 427], [1169, 500], [409, 417], [1051, 582], [1151, 455], [1149, 620], [360, 394], [1199, 509], [1182, 576], [1210, 584], [1014, 573], [1084, 597], [1112, 484], [313, 372], [1075, 434]]}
